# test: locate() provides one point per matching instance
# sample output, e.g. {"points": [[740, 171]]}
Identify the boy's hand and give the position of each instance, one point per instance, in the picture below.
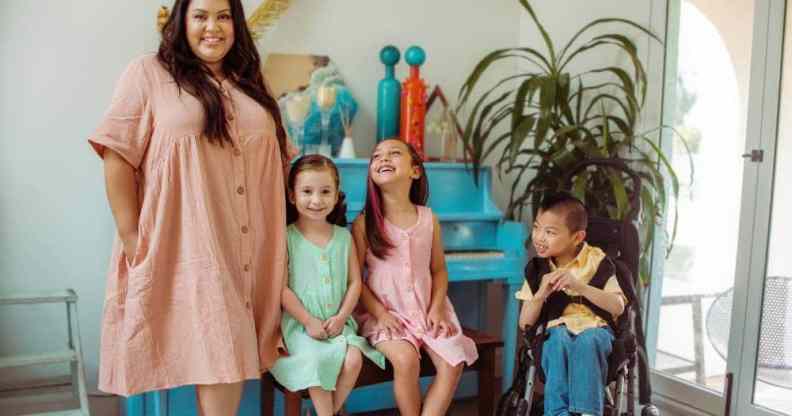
{"points": [[315, 329], [334, 325], [439, 323], [546, 286], [387, 322], [566, 280]]}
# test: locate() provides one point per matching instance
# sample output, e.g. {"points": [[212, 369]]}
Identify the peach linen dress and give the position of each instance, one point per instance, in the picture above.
{"points": [[200, 301], [402, 282]]}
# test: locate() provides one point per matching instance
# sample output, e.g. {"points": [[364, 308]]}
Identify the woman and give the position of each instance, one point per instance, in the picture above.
{"points": [[193, 153]]}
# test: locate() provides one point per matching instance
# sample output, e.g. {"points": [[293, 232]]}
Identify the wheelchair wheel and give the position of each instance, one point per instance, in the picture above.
{"points": [[650, 410]]}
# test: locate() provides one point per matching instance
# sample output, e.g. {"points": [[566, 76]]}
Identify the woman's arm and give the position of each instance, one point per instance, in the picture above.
{"points": [[122, 194]]}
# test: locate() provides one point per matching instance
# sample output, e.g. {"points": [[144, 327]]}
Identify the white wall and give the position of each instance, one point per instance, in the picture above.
{"points": [[58, 70], [58, 64]]}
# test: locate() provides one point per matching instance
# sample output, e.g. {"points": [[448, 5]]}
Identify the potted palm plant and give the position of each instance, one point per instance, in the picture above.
{"points": [[543, 121]]}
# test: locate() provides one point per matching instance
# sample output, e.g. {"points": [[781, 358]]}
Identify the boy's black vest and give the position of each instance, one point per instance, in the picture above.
{"points": [[558, 301]]}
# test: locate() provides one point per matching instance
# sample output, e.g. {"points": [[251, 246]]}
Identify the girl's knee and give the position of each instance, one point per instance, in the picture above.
{"points": [[451, 371], [354, 359], [406, 362]]}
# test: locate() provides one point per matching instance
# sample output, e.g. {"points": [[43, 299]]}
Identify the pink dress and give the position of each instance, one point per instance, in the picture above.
{"points": [[403, 284], [199, 303]]}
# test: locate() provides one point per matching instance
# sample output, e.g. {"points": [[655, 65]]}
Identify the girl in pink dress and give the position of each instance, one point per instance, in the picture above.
{"points": [[398, 240]]}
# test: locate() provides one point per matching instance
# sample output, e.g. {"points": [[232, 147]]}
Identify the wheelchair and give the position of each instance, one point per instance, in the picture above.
{"points": [[627, 363]]}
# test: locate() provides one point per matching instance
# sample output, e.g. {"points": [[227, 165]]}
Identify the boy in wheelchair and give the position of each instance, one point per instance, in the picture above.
{"points": [[571, 288]]}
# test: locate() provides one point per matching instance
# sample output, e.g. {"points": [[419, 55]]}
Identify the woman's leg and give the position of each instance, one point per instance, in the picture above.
{"points": [[406, 369], [589, 368], [218, 399], [349, 374], [555, 364], [322, 401], [441, 392]]}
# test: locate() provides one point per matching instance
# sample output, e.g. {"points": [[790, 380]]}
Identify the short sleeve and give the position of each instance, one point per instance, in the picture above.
{"points": [[126, 126], [524, 294], [612, 285]]}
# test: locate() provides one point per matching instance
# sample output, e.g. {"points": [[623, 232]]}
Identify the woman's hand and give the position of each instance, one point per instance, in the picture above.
{"points": [[439, 323], [130, 247], [334, 325], [315, 329], [387, 322]]}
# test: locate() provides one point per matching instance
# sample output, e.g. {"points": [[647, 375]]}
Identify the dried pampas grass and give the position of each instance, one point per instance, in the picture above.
{"points": [[261, 20]]}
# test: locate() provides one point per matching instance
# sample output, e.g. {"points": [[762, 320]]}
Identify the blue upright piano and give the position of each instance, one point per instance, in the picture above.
{"points": [[481, 248]]}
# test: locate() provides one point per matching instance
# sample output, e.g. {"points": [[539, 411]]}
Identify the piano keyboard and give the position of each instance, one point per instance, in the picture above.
{"points": [[473, 255]]}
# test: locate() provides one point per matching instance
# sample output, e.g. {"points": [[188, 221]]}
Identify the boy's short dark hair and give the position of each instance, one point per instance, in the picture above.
{"points": [[573, 209]]}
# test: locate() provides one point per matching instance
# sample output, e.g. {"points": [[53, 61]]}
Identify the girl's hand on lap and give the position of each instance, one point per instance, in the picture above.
{"points": [[439, 323], [388, 322], [334, 325], [316, 330]]}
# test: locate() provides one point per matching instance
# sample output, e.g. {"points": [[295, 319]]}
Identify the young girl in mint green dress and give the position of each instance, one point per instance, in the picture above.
{"points": [[324, 350]]}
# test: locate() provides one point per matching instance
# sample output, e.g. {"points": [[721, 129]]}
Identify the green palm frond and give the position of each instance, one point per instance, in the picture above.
{"points": [[537, 124]]}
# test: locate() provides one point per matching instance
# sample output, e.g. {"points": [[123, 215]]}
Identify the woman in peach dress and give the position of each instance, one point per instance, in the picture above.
{"points": [[194, 156]]}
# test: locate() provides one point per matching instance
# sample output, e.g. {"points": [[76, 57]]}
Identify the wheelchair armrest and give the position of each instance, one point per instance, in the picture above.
{"points": [[533, 333]]}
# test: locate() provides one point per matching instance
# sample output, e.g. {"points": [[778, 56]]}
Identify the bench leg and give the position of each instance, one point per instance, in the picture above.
{"points": [[293, 403], [267, 395], [488, 391]]}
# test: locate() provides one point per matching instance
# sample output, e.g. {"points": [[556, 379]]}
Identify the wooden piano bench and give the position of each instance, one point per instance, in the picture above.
{"points": [[371, 374]]}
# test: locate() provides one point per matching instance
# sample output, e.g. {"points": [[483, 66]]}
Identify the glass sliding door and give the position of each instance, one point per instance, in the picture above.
{"points": [[721, 302], [708, 75], [763, 300]]}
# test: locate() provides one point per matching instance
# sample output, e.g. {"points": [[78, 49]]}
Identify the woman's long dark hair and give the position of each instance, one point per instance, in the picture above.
{"points": [[374, 211], [316, 163], [242, 65]]}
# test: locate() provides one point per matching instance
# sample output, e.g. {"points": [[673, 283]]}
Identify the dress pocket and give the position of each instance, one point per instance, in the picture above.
{"points": [[140, 249]]}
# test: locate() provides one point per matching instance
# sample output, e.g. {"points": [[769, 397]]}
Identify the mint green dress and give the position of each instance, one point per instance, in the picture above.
{"points": [[318, 276]]}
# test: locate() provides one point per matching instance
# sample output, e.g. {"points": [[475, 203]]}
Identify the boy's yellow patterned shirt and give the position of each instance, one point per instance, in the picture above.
{"points": [[578, 317]]}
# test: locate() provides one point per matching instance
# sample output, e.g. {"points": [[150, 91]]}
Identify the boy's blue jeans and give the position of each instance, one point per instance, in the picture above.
{"points": [[575, 368]]}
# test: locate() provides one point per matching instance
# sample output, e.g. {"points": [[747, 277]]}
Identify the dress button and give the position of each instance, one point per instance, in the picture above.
{"points": [[244, 229], [237, 152], [247, 305], [246, 267], [241, 190], [327, 279], [323, 258], [231, 117]]}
